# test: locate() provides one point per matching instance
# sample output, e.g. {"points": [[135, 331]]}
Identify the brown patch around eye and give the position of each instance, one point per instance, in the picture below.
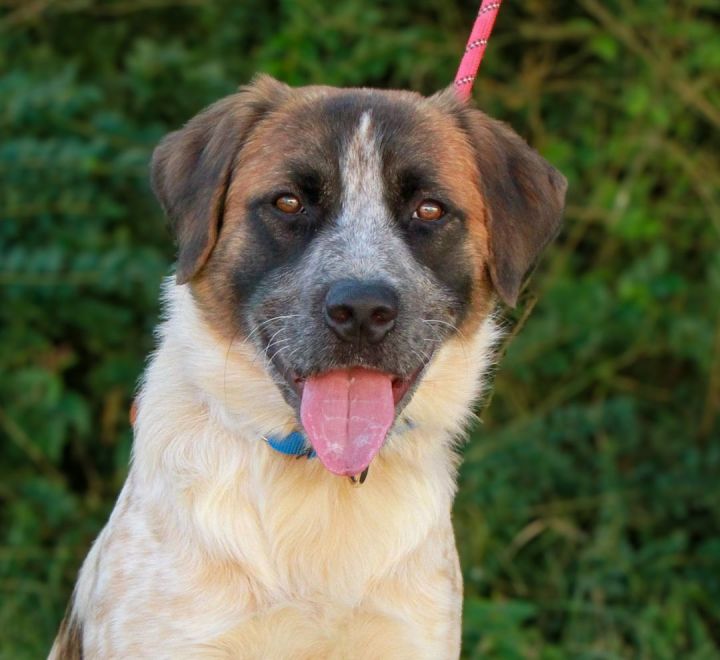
{"points": [[288, 204], [428, 210]]}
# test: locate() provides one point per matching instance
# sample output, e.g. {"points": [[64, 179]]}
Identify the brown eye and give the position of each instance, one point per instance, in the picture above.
{"points": [[288, 204], [429, 211]]}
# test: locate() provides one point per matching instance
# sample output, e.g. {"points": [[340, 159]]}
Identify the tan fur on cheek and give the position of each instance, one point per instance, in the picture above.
{"points": [[213, 287], [259, 167], [459, 175]]}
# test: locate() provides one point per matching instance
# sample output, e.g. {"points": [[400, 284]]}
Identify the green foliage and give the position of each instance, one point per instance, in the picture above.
{"points": [[589, 510]]}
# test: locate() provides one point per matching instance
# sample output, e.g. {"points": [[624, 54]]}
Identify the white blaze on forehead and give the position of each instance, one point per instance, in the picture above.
{"points": [[363, 204], [365, 243]]}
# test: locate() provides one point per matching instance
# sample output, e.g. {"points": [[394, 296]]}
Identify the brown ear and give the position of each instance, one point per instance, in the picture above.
{"points": [[192, 169], [525, 197]]}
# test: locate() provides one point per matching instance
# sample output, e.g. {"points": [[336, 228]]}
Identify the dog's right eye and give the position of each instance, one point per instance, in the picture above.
{"points": [[289, 204]]}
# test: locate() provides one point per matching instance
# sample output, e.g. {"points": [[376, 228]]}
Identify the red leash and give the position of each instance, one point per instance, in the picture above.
{"points": [[475, 48]]}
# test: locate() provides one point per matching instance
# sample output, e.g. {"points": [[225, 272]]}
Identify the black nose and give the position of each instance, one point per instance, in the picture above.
{"points": [[361, 311]]}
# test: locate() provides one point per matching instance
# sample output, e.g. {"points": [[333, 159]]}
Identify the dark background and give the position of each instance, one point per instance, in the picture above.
{"points": [[589, 505]]}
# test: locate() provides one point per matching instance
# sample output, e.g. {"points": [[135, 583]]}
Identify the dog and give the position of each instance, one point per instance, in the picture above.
{"points": [[341, 253]]}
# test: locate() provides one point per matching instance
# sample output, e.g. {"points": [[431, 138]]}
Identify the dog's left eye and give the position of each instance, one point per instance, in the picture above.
{"points": [[428, 210], [289, 204]]}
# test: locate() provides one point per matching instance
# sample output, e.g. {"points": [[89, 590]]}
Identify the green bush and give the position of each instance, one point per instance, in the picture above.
{"points": [[589, 510]]}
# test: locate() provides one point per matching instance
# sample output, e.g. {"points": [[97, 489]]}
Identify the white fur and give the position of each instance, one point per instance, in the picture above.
{"points": [[221, 547]]}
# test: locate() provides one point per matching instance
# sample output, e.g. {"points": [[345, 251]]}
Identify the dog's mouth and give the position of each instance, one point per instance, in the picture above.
{"points": [[400, 386], [347, 413]]}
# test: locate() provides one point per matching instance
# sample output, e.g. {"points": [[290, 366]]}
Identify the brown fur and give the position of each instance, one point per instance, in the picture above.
{"points": [[69, 640]]}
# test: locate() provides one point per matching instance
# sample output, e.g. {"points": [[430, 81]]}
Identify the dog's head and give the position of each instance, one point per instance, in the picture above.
{"points": [[350, 234]]}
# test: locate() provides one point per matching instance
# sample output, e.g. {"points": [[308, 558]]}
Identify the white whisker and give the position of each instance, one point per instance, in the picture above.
{"points": [[264, 323]]}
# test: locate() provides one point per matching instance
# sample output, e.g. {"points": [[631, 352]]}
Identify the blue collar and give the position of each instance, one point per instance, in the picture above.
{"points": [[293, 444]]}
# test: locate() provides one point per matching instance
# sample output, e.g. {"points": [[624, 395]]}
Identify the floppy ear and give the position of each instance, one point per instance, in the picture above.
{"points": [[192, 169], [525, 197]]}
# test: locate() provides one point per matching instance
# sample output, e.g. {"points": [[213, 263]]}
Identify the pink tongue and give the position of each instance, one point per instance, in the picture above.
{"points": [[346, 415]]}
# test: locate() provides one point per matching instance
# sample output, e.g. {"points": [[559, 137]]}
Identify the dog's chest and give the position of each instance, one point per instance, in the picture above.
{"points": [[304, 533], [291, 578]]}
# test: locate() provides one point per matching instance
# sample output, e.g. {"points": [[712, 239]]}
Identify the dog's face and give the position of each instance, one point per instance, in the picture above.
{"points": [[348, 234]]}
